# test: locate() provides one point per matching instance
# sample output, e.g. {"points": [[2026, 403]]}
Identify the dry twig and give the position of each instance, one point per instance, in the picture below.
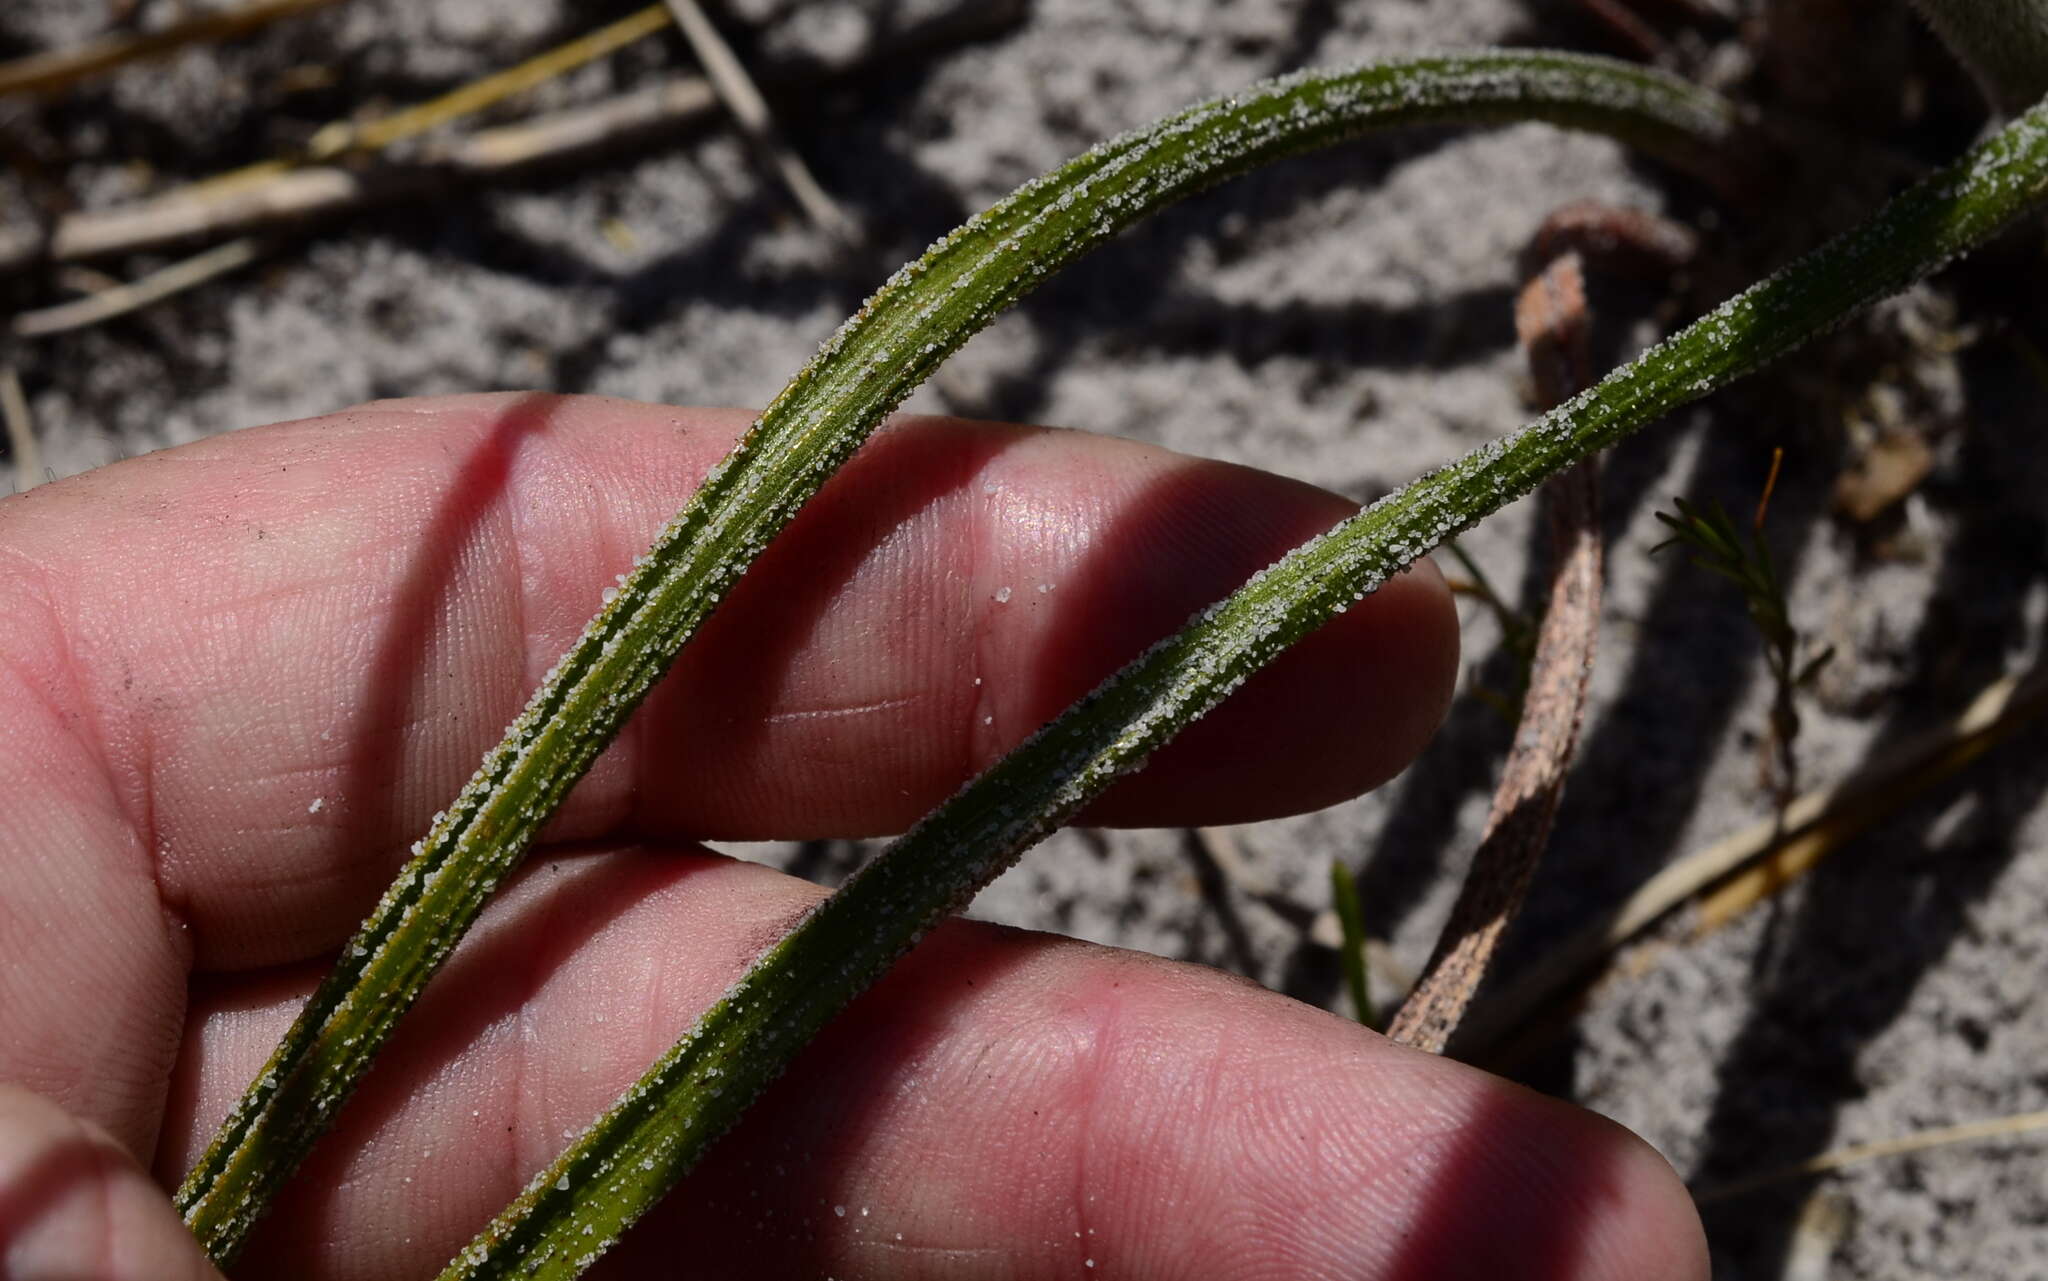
{"points": [[1972, 1132], [60, 69], [21, 432], [750, 112], [344, 137], [120, 299], [284, 195]]}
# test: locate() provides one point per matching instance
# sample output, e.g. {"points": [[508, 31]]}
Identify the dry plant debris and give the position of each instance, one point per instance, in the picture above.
{"points": [[1551, 320], [1750, 865], [53, 72], [2004, 1127]]}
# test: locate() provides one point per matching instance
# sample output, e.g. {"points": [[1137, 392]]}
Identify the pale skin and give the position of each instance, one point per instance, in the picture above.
{"points": [[237, 678]]}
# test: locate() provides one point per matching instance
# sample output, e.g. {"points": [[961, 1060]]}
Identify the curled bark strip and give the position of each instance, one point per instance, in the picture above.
{"points": [[1552, 322], [1551, 319], [1611, 238]]}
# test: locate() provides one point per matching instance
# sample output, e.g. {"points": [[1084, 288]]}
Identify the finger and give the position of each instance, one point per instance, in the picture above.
{"points": [[74, 1205], [1003, 1105], [292, 645]]}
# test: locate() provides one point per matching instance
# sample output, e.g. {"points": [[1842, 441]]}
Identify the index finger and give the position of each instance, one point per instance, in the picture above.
{"points": [[295, 643]]}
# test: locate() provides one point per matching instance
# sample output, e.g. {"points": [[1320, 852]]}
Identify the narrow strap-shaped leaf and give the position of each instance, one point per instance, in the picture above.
{"points": [[918, 318], [576, 1207]]}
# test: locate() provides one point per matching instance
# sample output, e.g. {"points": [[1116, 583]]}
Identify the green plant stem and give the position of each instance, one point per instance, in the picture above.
{"points": [[655, 1133], [917, 319]]}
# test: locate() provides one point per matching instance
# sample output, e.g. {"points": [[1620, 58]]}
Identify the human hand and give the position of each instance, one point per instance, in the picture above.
{"points": [[240, 676]]}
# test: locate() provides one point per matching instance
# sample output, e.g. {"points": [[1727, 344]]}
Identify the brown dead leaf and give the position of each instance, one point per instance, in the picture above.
{"points": [[1891, 467]]}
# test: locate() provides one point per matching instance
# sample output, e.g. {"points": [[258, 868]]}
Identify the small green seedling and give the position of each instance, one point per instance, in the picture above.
{"points": [[1517, 635], [1745, 560], [1351, 919]]}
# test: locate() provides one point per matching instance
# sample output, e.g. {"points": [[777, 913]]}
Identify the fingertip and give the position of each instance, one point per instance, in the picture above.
{"points": [[1345, 1155], [74, 1204], [1533, 1187], [1650, 1226], [1344, 711]]}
